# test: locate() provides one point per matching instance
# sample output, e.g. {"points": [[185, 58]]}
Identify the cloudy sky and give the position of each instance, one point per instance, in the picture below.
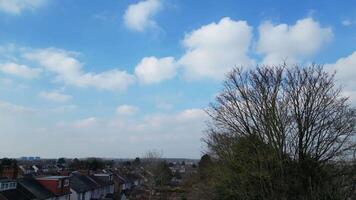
{"points": [[117, 78]]}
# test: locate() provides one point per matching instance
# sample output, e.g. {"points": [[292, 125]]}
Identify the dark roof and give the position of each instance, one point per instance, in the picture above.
{"points": [[82, 183], [15, 194], [30, 185], [101, 180], [5, 179], [120, 179]]}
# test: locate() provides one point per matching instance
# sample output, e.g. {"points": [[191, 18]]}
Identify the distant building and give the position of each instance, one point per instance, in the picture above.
{"points": [[30, 158]]}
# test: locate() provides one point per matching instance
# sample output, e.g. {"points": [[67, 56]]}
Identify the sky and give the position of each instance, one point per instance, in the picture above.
{"points": [[118, 78]]}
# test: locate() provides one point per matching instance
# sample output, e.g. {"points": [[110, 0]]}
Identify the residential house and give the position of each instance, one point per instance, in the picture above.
{"points": [[105, 182], [8, 191], [58, 185], [83, 187], [7, 184], [9, 172], [32, 188], [37, 169], [26, 170], [120, 185]]}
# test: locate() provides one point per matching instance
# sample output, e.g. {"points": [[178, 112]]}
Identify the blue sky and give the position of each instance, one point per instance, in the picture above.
{"points": [[117, 78]]}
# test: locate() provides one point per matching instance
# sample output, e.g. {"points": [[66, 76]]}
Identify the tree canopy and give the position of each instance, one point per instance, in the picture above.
{"points": [[281, 133]]}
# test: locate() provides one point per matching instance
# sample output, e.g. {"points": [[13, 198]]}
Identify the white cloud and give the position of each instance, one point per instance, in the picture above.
{"points": [[291, 43], [345, 69], [164, 105], [126, 110], [16, 7], [139, 16], [346, 22], [154, 70], [64, 108], [165, 130], [115, 137], [22, 71], [87, 122], [69, 70], [55, 96], [214, 49], [13, 108]]}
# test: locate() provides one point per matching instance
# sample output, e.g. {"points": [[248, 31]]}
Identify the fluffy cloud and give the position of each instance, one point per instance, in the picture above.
{"points": [[22, 71], [214, 49], [86, 123], [139, 16], [283, 42], [154, 70], [17, 6], [69, 70], [115, 137], [126, 110], [345, 69], [55, 96], [164, 130]]}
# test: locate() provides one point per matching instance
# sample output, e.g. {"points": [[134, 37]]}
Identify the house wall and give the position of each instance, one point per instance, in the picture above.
{"points": [[79, 196], [96, 194], [9, 172], [103, 191], [75, 195], [112, 189], [64, 197], [8, 185], [52, 185]]}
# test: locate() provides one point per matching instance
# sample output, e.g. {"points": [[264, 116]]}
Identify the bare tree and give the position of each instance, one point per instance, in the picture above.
{"points": [[152, 162], [297, 111]]}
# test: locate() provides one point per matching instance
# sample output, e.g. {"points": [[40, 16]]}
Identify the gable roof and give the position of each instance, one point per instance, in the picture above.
{"points": [[102, 180], [30, 185], [82, 183]]}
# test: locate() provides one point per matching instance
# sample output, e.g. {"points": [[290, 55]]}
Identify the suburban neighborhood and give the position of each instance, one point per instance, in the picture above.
{"points": [[62, 179]]}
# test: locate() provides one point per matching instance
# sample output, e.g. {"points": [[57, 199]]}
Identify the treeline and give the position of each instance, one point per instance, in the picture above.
{"points": [[7, 162], [87, 164]]}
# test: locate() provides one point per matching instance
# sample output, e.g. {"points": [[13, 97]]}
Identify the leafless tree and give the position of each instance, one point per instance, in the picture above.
{"points": [[151, 161], [297, 111]]}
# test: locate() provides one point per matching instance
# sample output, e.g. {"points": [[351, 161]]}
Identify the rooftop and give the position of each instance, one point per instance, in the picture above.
{"points": [[52, 177]]}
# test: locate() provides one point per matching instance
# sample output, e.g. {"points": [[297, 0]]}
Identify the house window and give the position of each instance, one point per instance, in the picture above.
{"points": [[59, 183], [12, 185], [66, 182]]}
